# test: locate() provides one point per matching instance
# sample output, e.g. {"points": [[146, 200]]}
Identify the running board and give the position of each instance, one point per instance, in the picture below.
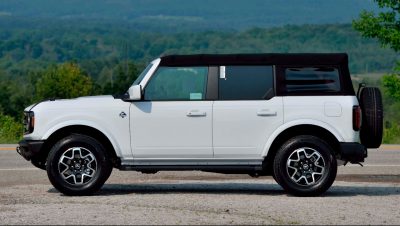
{"points": [[208, 168], [209, 165]]}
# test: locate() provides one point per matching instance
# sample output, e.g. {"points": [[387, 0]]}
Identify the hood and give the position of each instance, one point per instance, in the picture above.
{"points": [[80, 102]]}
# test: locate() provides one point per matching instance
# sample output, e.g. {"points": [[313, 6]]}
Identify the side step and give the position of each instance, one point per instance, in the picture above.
{"points": [[208, 168], [227, 166]]}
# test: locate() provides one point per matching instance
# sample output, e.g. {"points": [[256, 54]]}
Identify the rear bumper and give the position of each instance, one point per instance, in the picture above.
{"points": [[353, 152], [30, 148]]}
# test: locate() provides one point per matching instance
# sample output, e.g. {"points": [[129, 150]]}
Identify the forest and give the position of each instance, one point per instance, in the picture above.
{"points": [[181, 15], [41, 62]]}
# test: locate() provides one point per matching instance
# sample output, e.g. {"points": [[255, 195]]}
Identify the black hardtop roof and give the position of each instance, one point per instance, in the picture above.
{"points": [[255, 59]]}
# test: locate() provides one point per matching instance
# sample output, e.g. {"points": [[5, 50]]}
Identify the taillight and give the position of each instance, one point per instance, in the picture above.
{"points": [[356, 118]]}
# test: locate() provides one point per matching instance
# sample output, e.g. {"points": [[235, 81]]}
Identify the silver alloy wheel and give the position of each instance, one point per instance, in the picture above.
{"points": [[305, 166], [77, 165]]}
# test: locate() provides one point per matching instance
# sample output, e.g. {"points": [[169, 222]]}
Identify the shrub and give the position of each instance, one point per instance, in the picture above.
{"points": [[10, 130]]}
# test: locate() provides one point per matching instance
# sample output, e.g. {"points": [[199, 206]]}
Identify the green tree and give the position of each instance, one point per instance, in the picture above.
{"points": [[385, 26], [391, 82], [66, 80], [121, 78]]}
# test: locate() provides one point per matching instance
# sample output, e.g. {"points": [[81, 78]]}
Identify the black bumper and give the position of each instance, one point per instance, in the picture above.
{"points": [[30, 148], [353, 152]]}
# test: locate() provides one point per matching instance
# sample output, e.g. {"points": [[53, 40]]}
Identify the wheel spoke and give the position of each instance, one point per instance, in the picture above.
{"points": [[302, 177], [313, 175], [76, 153], [71, 175], [77, 165], [305, 166], [79, 179], [309, 177], [66, 167], [316, 164]]}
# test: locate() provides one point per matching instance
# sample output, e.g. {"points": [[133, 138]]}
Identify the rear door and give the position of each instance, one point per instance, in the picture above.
{"points": [[246, 112]]}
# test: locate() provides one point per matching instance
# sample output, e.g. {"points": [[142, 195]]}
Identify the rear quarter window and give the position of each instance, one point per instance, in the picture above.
{"points": [[321, 79]]}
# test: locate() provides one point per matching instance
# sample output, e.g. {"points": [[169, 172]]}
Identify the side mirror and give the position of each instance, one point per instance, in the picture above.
{"points": [[135, 92]]}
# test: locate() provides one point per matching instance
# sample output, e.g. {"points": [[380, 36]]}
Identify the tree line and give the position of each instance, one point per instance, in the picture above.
{"points": [[66, 62]]}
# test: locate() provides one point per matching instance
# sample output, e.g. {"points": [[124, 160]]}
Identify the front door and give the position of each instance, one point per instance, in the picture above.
{"points": [[174, 120]]}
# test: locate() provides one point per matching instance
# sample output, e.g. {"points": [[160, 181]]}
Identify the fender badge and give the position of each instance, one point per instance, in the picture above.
{"points": [[122, 114]]}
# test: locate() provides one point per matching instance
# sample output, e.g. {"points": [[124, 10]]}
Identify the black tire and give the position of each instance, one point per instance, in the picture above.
{"points": [[99, 169], [304, 187], [372, 117]]}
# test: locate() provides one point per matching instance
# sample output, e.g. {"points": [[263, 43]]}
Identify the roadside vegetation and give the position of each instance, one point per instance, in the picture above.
{"points": [[385, 27], [64, 60]]}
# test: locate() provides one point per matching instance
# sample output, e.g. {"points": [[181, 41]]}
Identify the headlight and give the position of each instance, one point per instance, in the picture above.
{"points": [[29, 122]]}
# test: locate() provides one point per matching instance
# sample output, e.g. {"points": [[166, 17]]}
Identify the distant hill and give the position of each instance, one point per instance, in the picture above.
{"points": [[96, 48], [184, 15]]}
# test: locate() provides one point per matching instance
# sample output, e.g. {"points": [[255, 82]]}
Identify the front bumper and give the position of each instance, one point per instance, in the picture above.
{"points": [[30, 148], [353, 152]]}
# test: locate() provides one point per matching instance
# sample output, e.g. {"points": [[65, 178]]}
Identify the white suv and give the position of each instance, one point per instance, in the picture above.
{"points": [[292, 116]]}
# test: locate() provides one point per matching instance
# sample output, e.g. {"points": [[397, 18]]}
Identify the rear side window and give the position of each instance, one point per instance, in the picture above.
{"points": [[312, 80], [246, 83]]}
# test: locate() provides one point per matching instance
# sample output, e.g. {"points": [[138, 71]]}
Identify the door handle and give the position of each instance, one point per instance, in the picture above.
{"points": [[196, 113], [265, 112]]}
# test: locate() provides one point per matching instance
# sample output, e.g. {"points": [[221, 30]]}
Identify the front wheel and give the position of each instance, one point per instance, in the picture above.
{"points": [[78, 165], [305, 166]]}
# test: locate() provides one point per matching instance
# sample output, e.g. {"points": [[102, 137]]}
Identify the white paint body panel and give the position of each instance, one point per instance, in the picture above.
{"points": [[99, 112], [333, 113], [241, 128], [168, 129]]}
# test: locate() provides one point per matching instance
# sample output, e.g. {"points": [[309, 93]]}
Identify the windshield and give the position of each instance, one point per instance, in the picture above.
{"points": [[141, 76]]}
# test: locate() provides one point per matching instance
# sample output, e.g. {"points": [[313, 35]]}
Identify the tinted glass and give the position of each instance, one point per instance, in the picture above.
{"points": [[312, 79], [177, 83], [246, 83]]}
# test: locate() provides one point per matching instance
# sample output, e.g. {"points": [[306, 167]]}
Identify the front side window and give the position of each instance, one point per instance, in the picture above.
{"points": [[246, 83], [312, 79], [177, 83]]}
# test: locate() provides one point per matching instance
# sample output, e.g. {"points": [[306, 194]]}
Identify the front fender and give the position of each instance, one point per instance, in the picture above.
{"points": [[91, 124]]}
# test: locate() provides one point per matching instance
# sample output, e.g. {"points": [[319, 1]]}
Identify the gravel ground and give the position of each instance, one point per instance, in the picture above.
{"points": [[253, 201], [368, 195]]}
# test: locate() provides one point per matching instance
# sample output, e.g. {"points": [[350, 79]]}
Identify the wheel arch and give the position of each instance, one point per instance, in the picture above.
{"points": [[303, 129], [84, 130]]}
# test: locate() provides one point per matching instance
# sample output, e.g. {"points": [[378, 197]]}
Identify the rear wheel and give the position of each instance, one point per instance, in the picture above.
{"points": [[78, 165], [305, 166]]}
